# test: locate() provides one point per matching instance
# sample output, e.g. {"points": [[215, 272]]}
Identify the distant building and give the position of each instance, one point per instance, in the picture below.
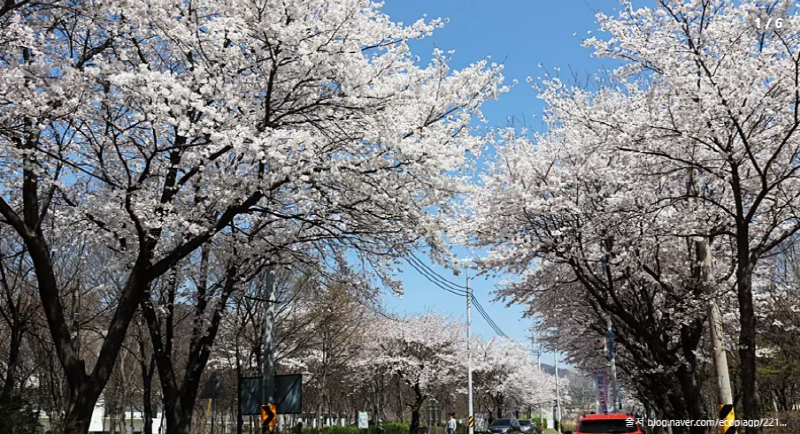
{"points": [[101, 422]]}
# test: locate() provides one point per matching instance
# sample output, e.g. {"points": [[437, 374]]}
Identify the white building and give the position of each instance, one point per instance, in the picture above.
{"points": [[101, 423]]}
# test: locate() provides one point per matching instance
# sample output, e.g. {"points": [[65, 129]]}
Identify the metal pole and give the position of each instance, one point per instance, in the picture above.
{"points": [[471, 429], [268, 378], [213, 415], [208, 412], [725, 394], [533, 348], [539, 363], [612, 360], [611, 356], [557, 422]]}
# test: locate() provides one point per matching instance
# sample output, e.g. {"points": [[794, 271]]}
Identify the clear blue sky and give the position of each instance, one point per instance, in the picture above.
{"points": [[520, 34]]}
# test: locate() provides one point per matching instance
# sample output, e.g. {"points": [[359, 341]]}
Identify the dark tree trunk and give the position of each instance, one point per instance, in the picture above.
{"points": [[179, 398], [747, 343], [747, 319], [415, 409], [84, 388], [687, 374], [147, 391], [693, 399], [178, 419], [13, 360], [79, 412]]}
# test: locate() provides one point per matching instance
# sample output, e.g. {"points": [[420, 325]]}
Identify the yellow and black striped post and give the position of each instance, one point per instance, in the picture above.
{"points": [[726, 415], [471, 421], [268, 416]]}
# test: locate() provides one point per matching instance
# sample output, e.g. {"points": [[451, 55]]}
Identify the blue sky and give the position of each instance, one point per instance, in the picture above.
{"points": [[520, 34]]}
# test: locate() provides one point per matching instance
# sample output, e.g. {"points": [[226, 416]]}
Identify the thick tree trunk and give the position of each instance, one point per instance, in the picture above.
{"points": [[415, 418], [415, 409], [747, 337], [178, 418], [181, 396], [147, 392], [79, 412], [693, 399], [13, 362], [691, 334]]}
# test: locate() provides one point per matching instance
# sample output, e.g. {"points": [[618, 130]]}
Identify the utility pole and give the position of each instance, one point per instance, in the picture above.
{"points": [[557, 420], [539, 363], [471, 415], [705, 260], [213, 415], [612, 361], [268, 378], [611, 356], [533, 349]]}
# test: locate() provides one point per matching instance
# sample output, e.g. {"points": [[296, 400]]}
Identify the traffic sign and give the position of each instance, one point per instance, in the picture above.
{"points": [[288, 394], [481, 422], [268, 416], [471, 421], [213, 388]]}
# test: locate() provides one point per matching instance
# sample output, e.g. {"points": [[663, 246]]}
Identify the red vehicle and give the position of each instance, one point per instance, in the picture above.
{"points": [[608, 424]]}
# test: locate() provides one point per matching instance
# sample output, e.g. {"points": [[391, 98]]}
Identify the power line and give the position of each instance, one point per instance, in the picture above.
{"points": [[453, 288], [452, 284], [488, 318], [434, 277]]}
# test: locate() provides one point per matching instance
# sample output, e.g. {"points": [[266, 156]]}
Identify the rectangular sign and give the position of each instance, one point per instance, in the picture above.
{"points": [[363, 420], [481, 422], [288, 394], [600, 380]]}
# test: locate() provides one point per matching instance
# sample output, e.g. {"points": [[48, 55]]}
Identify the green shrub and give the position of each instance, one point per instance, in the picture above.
{"points": [[332, 430], [395, 428], [17, 416], [388, 428]]}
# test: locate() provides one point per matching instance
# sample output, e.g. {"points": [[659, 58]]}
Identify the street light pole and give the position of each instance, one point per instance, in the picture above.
{"points": [[611, 356], [471, 429], [268, 372], [725, 396], [539, 363], [613, 365], [558, 393]]}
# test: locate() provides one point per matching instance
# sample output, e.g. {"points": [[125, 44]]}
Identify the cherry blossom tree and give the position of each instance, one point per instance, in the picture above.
{"points": [[692, 140], [153, 129], [424, 351], [720, 104], [505, 372], [576, 224]]}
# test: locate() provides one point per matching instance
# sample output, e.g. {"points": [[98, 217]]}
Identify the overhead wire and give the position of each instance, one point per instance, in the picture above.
{"points": [[424, 273], [453, 288], [488, 318], [453, 285]]}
